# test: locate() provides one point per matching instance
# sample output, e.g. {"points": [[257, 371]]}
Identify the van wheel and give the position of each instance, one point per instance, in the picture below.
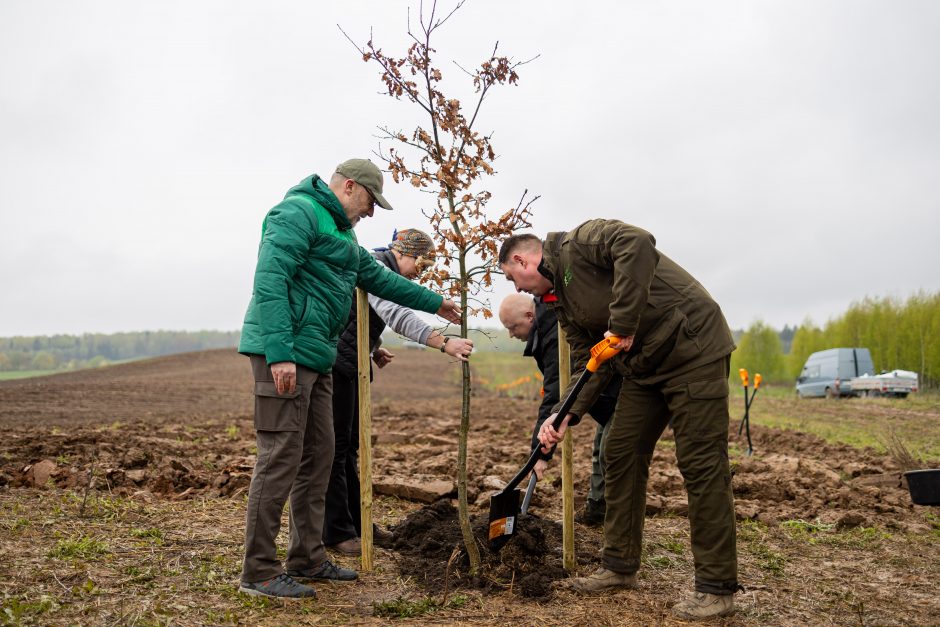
{"points": [[830, 394]]}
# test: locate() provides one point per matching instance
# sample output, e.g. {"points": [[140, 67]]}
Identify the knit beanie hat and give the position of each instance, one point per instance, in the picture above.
{"points": [[412, 242]]}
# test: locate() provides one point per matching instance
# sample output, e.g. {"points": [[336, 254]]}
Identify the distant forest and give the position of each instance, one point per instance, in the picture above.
{"points": [[70, 352], [900, 334]]}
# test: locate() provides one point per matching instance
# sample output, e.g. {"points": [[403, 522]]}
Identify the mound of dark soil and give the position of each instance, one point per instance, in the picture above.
{"points": [[430, 549]]}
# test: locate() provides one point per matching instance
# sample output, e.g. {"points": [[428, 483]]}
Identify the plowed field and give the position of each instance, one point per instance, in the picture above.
{"points": [[123, 491]]}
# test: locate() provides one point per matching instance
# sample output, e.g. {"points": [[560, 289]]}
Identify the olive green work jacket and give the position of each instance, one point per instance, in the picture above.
{"points": [[608, 275]]}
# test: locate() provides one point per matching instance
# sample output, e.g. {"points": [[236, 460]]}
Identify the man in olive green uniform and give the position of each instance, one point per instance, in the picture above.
{"points": [[607, 278]]}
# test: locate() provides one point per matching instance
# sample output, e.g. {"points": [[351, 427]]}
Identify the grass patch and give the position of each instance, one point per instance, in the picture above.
{"points": [[82, 547], [858, 422], [15, 526], [672, 546], [933, 520], [659, 561], [153, 534], [754, 534], [96, 505], [138, 575], [821, 533], [406, 608], [17, 611], [768, 559], [663, 553]]}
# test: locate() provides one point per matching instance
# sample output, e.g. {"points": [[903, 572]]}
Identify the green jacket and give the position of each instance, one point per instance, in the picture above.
{"points": [[308, 264], [609, 276]]}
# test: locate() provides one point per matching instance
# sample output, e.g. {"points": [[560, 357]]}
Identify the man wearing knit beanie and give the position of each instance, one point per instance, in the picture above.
{"points": [[409, 253]]}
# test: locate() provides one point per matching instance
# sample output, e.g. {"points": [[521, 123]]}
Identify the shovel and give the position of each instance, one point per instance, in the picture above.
{"points": [[504, 505], [533, 478]]}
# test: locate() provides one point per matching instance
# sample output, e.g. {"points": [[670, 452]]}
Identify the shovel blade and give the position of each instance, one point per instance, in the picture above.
{"points": [[504, 512]]}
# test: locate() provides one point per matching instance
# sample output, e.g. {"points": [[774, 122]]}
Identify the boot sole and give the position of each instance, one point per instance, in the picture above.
{"points": [[685, 616], [303, 579], [258, 593], [620, 586]]}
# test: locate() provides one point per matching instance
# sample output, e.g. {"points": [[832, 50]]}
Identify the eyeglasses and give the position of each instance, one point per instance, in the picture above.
{"points": [[371, 197]]}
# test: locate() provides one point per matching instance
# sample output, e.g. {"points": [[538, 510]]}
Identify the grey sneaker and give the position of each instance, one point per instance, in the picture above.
{"points": [[283, 586], [601, 580], [704, 605], [327, 571]]}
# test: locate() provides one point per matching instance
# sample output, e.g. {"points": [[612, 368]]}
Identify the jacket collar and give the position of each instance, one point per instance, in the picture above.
{"points": [[548, 267], [386, 256], [544, 326], [325, 196]]}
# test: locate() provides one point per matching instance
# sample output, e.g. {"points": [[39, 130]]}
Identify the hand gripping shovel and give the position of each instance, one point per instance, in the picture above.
{"points": [[504, 505]]}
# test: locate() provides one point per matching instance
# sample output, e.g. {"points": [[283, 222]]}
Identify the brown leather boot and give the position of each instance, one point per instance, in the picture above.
{"points": [[382, 537], [352, 546]]}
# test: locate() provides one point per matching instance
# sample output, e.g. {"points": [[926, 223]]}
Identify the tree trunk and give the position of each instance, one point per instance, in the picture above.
{"points": [[463, 510]]}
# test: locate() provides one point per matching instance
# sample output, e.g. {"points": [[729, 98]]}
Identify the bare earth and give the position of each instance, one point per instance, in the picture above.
{"points": [[122, 494]]}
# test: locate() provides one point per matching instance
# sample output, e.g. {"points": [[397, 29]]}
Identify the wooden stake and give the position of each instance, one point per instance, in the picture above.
{"points": [[567, 450], [365, 428]]}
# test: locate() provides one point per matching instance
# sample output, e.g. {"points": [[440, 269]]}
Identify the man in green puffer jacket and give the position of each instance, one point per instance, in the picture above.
{"points": [[308, 264]]}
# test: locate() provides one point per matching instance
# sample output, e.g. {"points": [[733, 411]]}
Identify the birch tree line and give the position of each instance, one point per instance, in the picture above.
{"points": [[901, 334]]}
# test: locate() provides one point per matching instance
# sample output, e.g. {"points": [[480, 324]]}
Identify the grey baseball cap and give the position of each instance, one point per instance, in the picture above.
{"points": [[366, 174]]}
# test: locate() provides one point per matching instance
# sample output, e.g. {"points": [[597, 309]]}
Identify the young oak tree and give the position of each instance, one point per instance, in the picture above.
{"points": [[446, 157]]}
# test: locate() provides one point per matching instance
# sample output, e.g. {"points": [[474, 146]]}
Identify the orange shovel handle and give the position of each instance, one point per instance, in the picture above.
{"points": [[602, 351]]}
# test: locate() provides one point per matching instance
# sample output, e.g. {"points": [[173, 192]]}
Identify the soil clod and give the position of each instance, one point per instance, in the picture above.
{"points": [[529, 562]]}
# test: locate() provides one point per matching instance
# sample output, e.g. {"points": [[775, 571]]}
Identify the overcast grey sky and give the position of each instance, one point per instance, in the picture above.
{"points": [[786, 153]]}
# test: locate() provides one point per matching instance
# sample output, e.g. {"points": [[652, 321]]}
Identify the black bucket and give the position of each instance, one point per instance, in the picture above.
{"points": [[924, 486]]}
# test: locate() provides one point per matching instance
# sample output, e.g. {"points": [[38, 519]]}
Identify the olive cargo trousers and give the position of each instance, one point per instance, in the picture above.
{"points": [[295, 451], [695, 404]]}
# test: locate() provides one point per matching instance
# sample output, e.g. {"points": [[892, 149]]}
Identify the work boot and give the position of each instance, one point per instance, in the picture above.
{"points": [[352, 546], [592, 515], [283, 586], [327, 571], [602, 580], [382, 537], [704, 605]]}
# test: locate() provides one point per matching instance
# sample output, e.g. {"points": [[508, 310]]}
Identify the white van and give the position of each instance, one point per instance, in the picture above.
{"points": [[829, 373]]}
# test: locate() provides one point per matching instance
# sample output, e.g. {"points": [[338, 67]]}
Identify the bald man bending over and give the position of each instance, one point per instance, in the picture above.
{"points": [[537, 326]]}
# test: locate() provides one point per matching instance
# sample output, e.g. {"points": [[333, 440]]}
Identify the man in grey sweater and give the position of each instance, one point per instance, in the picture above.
{"points": [[409, 254]]}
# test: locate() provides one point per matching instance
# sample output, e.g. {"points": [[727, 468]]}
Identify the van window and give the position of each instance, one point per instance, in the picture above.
{"points": [[813, 371]]}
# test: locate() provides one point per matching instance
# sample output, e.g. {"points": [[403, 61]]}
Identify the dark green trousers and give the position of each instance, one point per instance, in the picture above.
{"points": [[695, 405]]}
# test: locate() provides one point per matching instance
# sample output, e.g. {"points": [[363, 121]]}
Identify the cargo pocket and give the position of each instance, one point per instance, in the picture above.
{"points": [[657, 345], [711, 389], [277, 412], [708, 409]]}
